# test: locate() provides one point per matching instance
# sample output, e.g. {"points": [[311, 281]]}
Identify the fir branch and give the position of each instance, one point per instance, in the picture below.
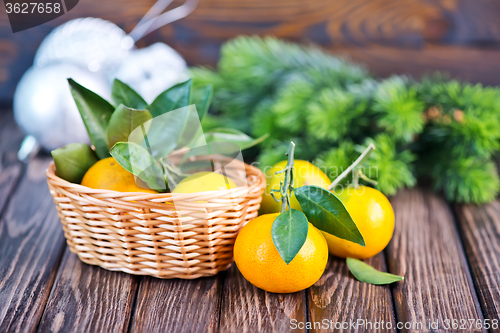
{"points": [[390, 168], [266, 60], [290, 105], [465, 133], [400, 110], [263, 121], [252, 68], [331, 116], [301, 93], [336, 160], [469, 180], [452, 94]]}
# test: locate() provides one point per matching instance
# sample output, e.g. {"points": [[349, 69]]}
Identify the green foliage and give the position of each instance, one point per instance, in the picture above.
{"points": [[320, 207], [123, 121], [72, 161], [451, 94], [289, 105], [399, 108], [138, 161], [332, 108], [326, 212], [331, 117], [469, 180], [391, 167], [174, 98], [289, 232], [140, 143], [365, 273], [337, 159], [269, 62], [124, 94], [95, 112]]}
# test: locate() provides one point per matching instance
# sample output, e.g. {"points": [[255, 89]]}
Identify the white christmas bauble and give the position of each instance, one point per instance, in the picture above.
{"points": [[92, 43], [152, 69], [44, 106]]}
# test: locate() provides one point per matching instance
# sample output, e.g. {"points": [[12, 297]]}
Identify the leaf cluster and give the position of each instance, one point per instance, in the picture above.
{"points": [[325, 211], [141, 136]]}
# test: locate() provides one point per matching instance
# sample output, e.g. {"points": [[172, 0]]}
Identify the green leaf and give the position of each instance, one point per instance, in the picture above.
{"points": [[163, 133], [173, 98], [123, 121], [95, 112], [228, 135], [121, 93], [201, 97], [233, 136], [327, 213], [366, 273], [141, 163], [289, 233], [73, 161]]}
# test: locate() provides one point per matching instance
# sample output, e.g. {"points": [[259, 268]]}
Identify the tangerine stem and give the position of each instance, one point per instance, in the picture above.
{"points": [[286, 186], [365, 178], [361, 159]]}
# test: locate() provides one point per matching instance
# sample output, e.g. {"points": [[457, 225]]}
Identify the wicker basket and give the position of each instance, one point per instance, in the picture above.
{"points": [[140, 233]]}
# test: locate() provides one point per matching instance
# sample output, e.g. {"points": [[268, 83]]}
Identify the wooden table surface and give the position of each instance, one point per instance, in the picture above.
{"points": [[449, 255]]}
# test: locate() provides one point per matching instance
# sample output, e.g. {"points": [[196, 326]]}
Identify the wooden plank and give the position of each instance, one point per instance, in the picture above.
{"points": [[408, 26], [10, 167], [31, 246], [455, 60], [337, 301], [426, 249], [87, 298], [480, 230], [177, 305], [246, 308]]}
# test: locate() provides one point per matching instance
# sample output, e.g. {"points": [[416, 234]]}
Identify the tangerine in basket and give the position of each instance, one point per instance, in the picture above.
{"points": [[260, 262], [204, 181], [373, 214], [304, 173], [107, 174]]}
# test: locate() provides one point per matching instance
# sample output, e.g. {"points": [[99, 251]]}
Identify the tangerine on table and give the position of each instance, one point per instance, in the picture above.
{"points": [[304, 173], [260, 262], [373, 214]]}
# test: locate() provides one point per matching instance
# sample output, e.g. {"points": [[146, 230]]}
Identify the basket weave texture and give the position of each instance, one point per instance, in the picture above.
{"points": [[142, 233]]}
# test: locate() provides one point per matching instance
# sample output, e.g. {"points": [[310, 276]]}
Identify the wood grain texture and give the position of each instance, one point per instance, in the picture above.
{"points": [[246, 308], [462, 62], [409, 26], [480, 230], [87, 298], [426, 250], [31, 245], [338, 298], [10, 167], [177, 305]]}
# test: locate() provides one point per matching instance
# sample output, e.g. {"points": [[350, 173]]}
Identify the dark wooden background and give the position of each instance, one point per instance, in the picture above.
{"points": [[461, 37]]}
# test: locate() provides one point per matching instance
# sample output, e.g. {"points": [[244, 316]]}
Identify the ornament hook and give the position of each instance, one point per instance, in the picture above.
{"points": [[154, 20]]}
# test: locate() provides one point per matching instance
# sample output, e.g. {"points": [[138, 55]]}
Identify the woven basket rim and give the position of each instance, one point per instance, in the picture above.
{"points": [[50, 173]]}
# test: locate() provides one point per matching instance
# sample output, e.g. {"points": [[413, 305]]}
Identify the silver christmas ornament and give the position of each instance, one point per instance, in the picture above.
{"points": [[45, 109], [92, 43], [92, 51], [152, 70]]}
